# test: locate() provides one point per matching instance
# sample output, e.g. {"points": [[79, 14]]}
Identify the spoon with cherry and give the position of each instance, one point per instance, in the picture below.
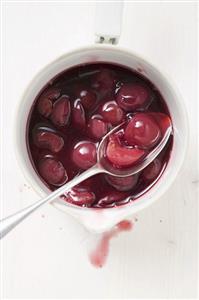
{"points": [[125, 150]]}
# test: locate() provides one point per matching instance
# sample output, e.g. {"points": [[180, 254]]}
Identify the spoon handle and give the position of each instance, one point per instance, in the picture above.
{"points": [[7, 224]]}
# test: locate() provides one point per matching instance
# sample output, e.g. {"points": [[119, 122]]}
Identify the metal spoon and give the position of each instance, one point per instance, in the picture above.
{"points": [[102, 166]]}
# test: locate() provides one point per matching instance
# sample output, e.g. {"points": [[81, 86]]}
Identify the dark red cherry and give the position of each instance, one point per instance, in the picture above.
{"points": [[86, 184], [104, 81], [61, 111], [52, 93], [87, 96], [52, 171], [47, 139], [78, 115], [163, 121], [84, 154], [112, 113], [97, 127], [89, 183], [80, 197], [121, 156], [133, 96], [143, 131], [44, 104], [123, 183], [152, 170]]}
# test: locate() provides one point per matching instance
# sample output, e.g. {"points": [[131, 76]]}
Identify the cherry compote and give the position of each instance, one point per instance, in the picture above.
{"points": [[75, 110]]}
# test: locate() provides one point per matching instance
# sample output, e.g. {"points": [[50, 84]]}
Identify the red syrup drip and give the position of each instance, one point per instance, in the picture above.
{"points": [[98, 256]]}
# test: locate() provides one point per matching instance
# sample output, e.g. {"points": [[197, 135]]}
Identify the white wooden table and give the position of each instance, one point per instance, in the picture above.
{"points": [[46, 257]]}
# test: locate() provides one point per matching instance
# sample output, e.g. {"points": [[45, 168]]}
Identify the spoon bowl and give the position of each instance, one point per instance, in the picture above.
{"points": [[138, 167]]}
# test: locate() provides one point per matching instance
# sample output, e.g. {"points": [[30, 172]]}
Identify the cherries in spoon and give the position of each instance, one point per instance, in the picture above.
{"points": [[113, 158]]}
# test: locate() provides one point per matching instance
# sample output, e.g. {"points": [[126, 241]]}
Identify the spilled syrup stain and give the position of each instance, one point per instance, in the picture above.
{"points": [[99, 255]]}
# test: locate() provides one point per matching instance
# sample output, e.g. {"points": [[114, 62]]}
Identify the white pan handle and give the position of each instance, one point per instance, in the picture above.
{"points": [[108, 21]]}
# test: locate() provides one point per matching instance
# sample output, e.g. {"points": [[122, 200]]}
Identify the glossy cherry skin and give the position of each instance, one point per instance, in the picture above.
{"points": [[163, 121], [52, 171], [80, 197], [133, 96], [87, 97], [123, 183], [78, 115], [152, 171], [142, 131], [97, 127], [84, 154], [61, 111], [112, 113], [121, 156], [45, 138], [45, 101]]}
